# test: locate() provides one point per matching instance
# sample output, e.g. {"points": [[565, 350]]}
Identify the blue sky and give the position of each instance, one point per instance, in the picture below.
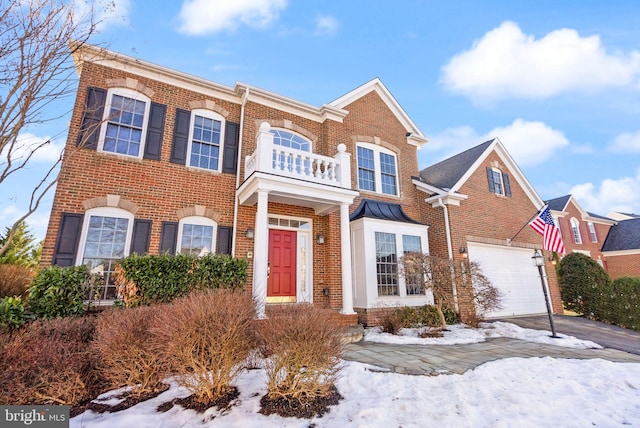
{"points": [[557, 82]]}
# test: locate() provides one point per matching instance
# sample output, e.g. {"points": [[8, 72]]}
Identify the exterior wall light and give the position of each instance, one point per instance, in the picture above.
{"points": [[320, 238], [249, 233]]}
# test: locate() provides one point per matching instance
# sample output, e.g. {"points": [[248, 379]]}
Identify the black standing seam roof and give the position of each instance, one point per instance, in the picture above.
{"points": [[382, 211], [445, 174], [623, 236]]}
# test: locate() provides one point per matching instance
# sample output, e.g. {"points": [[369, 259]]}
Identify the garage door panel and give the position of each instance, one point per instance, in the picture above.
{"points": [[511, 270]]}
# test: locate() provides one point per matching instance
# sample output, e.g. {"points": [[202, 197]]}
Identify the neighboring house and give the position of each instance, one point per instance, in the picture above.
{"points": [[479, 205], [582, 231], [613, 241], [621, 248]]}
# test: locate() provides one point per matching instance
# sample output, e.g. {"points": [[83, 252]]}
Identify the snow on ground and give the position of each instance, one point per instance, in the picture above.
{"points": [[458, 334], [522, 392]]}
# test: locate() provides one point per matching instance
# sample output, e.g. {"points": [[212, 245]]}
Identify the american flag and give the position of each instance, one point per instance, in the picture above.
{"points": [[544, 225]]}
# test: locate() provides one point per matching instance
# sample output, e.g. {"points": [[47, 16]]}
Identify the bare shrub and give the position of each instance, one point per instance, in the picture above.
{"points": [[126, 353], [390, 322], [206, 337], [50, 362], [14, 280], [305, 347]]}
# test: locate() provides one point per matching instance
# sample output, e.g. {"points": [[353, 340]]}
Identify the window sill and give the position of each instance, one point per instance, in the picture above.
{"points": [[119, 156], [202, 170], [379, 194]]}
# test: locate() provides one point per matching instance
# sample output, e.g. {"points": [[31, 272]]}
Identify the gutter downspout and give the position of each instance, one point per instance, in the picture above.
{"points": [[235, 202], [447, 230]]}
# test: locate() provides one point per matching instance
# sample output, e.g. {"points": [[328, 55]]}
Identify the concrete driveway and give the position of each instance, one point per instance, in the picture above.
{"points": [[603, 334]]}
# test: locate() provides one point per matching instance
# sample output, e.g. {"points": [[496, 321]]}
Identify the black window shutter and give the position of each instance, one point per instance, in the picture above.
{"points": [[507, 185], [180, 137], [155, 131], [141, 236], [225, 236], [492, 187], [169, 237], [230, 152], [91, 118], [67, 242]]}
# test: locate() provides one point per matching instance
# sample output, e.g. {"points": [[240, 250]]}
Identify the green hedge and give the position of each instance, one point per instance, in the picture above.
{"points": [[620, 304], [59, 292], [421, 316], [11, 313], [582, 280], [161, 278]]}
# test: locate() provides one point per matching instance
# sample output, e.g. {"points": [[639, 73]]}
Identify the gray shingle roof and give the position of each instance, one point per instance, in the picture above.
{"points": [[382, 211], [558, 204], [623, 236], [447, 173]]}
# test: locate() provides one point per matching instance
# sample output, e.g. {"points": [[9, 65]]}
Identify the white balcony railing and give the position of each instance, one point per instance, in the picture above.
{"points": [[298, 164]]}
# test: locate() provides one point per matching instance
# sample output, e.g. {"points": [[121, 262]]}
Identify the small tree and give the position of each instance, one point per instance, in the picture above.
{"points": [[36, 71], [439, 274], [22, 250]]}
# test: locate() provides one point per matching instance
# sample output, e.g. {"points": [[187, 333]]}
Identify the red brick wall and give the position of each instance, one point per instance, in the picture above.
{"points": [[626, 265], [567, 236]]}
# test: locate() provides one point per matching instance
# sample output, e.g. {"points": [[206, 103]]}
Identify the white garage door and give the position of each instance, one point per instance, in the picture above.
{"points": [[512, 271]]}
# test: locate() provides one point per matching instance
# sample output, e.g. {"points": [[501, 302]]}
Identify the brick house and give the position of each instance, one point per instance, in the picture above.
{"points": [[613, 241], [321, 201], [478, 205]]}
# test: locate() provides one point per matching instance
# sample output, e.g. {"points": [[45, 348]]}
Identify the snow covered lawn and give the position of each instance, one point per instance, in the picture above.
{"points": [[522, 392]]}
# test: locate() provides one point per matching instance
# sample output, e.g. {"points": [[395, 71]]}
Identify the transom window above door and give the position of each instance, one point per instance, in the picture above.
{"points": [[288, 139]]}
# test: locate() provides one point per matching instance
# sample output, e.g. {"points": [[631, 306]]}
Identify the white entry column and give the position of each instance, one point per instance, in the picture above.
{"points": [[261, 254], [345, 244]]}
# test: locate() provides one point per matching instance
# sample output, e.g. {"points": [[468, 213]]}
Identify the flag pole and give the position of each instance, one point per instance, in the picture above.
{"points": [[526, 224]]}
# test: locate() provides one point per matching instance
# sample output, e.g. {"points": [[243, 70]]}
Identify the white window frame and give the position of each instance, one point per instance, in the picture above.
{"points": [[364, 263], [575, 230], [128, 93], [104, 212], [209, 115], [198, 221], [502, 191], [592, 232], [377, 169]]}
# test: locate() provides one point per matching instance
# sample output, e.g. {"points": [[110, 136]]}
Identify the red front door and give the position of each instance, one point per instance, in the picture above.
{"points": [[281, 284]]}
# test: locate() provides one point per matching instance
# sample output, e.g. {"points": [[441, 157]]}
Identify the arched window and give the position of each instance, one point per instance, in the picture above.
{"points": [[124, 123], [196, 236], [575, 231], [285, 138]]}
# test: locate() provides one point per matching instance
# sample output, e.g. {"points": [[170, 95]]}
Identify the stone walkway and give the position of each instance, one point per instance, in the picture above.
{"points": [[447, 359]]}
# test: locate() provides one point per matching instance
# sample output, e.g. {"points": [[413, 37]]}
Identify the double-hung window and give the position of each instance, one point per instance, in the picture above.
{"points": [[386, 264], [105, 240], [205, 142], [377, 169], [575, 231], [126, 116], [412, 247], [498, 182], [196, 236], [592, 232]]}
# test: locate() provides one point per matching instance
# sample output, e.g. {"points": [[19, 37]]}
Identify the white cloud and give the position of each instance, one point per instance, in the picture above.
{"points": [[506, 63], [627, 142], [26, 143], [610, 195], [529, 143], [199, 17], [326, 25]]}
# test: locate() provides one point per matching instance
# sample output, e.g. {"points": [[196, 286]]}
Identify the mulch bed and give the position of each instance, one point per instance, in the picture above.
{"points": [[294, 408], [223, 402], [130, 400]]}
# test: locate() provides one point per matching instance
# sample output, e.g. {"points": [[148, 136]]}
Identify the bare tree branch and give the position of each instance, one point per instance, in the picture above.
{"points": [[36, 70]]}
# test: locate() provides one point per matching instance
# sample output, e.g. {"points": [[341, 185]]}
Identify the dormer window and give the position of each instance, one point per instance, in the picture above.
{"points": [[498, 182]]}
